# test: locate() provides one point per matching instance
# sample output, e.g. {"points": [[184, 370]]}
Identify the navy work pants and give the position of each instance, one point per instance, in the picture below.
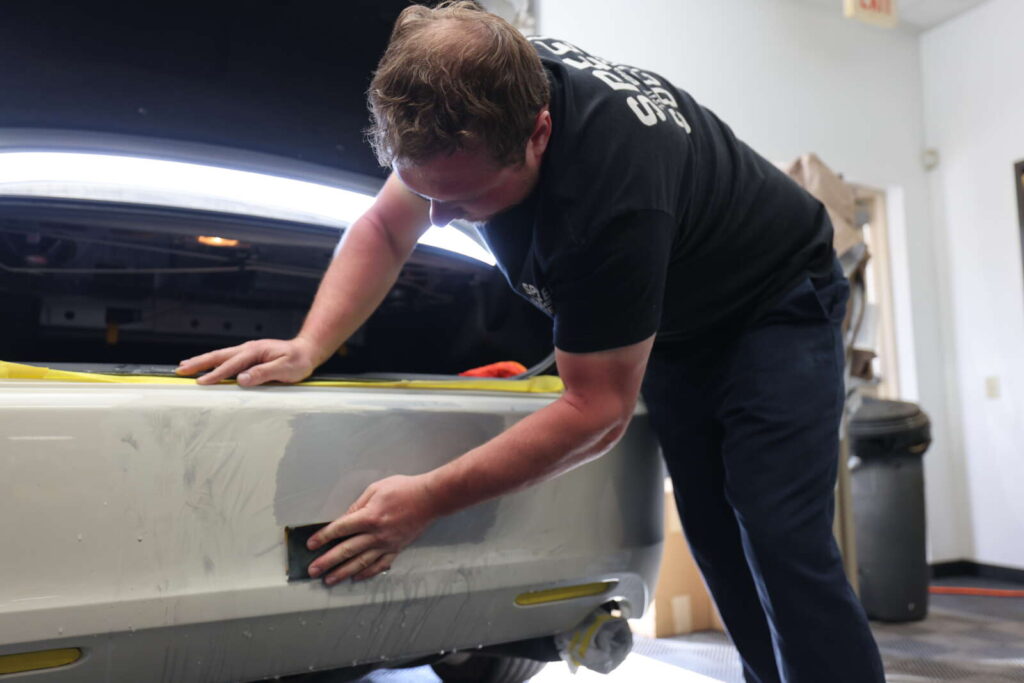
{"points": [[749, 432]]}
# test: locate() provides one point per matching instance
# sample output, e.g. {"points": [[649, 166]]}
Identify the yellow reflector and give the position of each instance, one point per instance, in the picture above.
{"points": [[33, 661], [585, 590]]}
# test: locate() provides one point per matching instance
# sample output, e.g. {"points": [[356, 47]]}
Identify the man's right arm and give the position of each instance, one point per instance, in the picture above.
{"points": [[363, 270]]}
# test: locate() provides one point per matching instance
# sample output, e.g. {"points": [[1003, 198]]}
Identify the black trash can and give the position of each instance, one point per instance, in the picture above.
{"points": [[887, 442]]}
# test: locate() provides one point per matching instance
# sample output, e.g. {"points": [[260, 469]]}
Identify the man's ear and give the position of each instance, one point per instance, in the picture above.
{"points": [[540, 136]]}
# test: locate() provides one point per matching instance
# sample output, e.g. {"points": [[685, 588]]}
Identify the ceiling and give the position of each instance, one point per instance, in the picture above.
{"points": [[919, 14]]}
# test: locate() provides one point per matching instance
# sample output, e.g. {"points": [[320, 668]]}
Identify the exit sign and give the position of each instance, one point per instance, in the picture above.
{"points": [[878, 12]]}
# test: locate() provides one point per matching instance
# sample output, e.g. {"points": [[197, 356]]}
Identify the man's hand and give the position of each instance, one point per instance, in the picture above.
{"points": [[389, 515], [366, 265], [255, 362]]}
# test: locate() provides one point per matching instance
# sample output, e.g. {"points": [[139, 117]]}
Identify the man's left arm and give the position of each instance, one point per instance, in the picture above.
{"points": [[601, 390]]}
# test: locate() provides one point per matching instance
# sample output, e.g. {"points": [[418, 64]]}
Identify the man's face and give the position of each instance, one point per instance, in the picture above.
{"points": [[470, 185], [467, 185]]}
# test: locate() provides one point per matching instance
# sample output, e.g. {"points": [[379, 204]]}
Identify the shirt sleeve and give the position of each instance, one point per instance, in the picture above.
{"points": [[608, 292]]}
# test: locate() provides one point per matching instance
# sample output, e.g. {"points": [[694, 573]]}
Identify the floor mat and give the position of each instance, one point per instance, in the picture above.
{"points": [[709, 653], [947, 646], [954, 646]]}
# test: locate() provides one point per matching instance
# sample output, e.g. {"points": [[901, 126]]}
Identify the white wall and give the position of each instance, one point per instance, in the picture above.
{"points": [[974, 110], [792, 77]]}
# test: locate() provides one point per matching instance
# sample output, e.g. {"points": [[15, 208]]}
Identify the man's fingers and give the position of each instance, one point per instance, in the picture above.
{"points": [[380, 566], [349, 525], [205, 361], [229, 368], [354, 566], [275, 370], [362, 500], [342, 553]]}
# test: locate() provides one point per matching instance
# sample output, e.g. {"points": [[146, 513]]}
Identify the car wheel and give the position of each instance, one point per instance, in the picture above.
{"points": [[481, 669]]}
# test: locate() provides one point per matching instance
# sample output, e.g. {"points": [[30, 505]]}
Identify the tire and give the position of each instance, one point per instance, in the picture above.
{"points": [[481, 669]]}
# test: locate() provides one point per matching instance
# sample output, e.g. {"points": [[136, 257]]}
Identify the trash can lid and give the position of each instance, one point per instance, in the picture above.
{"points": [[878, 417]]}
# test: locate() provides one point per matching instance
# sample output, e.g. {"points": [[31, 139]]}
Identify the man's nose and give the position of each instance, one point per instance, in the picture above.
{"points": [[442, 214]]}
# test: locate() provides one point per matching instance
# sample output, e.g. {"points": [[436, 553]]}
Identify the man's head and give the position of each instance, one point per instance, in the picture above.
{"points": [[459, 104]]}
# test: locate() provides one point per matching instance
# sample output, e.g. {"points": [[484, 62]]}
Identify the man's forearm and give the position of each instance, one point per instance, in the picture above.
{"points": [[588, 419], [359, 277], [553, 440]]}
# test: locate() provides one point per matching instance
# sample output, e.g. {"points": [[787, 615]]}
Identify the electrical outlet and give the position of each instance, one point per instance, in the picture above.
{"points": [[992, 387]]}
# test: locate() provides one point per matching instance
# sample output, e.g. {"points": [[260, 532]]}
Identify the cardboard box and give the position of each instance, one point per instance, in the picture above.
{"points": [[839, 199]]}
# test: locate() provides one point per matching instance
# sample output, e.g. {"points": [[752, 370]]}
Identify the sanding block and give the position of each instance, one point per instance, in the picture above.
{"points": [[299, 556]]}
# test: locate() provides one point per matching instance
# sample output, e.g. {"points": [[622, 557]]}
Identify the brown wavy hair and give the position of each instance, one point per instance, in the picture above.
{"points": [[452, 78]]}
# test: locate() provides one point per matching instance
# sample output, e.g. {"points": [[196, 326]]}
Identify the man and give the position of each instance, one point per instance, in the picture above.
{"points": [[671, 257]]}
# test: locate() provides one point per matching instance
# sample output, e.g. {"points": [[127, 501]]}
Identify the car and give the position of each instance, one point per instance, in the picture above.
{"points": [[172, 183], [153, 526]]}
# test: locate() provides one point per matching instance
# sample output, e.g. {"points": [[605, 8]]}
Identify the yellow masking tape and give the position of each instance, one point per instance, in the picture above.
{"points": [[544, 384], [588, 637]]}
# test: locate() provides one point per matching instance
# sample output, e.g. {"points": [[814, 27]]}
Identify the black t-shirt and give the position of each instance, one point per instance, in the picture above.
{"points": [[650, 216]]}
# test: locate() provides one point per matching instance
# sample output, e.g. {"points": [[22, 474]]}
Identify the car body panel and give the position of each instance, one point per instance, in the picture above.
{"points": [[145, 524]]}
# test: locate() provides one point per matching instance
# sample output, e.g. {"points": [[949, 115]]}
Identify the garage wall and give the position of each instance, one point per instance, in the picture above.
{"points": [[792, 77], [974, 111]]}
